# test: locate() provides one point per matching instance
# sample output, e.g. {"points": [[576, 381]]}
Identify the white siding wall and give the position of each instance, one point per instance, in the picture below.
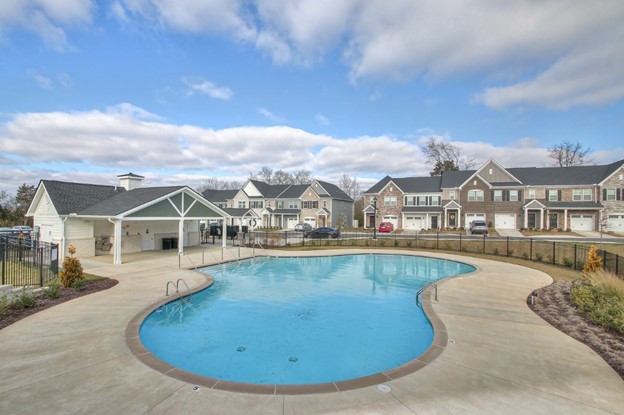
{"points": [[48, 221]]}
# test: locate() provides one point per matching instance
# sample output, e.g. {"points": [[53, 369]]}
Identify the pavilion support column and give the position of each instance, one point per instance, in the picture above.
{"points": [[181, 237], [117, 243], [224, 234]]}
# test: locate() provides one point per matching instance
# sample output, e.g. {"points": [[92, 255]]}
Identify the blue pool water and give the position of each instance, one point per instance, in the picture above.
{"points": [[300, 320]]}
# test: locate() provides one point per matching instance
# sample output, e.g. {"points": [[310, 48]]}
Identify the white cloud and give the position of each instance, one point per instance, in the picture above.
{"points": [[48, 19], [94, 146], [269, 115], [208, 88], [42, 81], [321, 119]]}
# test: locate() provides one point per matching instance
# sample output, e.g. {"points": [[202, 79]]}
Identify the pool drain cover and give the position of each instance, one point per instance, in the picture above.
{"points": [[384, 388], [293, 359], [241, 349]]}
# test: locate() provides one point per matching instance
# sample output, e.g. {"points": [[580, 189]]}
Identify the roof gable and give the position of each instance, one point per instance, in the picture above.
{"points": [[493, 172], [70, 198]]}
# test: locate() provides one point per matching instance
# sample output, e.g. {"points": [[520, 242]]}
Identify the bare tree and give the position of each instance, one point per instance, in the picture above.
{"points": [[302, 177], [349, 185], [282, 177], [214, 183], [445, 156], [568, 154]]}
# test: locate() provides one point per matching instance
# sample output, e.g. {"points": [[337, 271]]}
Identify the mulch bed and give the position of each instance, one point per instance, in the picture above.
{"points": [[556, 307], [43, 302]]}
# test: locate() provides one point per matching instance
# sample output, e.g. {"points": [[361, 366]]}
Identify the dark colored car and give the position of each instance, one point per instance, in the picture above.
{"points": [[324, 232], [478, 227], [385, 227]]}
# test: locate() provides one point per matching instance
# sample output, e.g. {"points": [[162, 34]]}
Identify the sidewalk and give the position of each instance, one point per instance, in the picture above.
{"points": [[500, 358]]}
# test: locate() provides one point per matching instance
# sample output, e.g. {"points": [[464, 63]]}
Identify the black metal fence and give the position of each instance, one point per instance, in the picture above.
{"points": [[567, 254], [27, 262]]}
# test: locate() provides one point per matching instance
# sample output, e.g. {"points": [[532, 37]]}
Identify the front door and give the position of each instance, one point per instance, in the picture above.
{"points": [[434, 222], [553, 221], [371, 221], [532, 220], [452, 219]]}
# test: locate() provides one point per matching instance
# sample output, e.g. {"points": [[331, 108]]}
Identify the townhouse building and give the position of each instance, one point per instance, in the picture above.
{"points": [[259, 204], [567, 198]]}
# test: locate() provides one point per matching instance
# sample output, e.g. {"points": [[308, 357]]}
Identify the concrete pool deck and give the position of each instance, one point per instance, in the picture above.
{"points": [[500, 357]]}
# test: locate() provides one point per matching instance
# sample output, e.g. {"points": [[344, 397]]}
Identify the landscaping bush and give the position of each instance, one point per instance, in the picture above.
{"points": [[4, 305], [72, 269], [54, 290], [25, 299], [79, 284], [601, 295], [594, 262]]}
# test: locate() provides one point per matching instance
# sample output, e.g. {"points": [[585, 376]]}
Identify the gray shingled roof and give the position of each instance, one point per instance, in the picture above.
{"points": [[127, 200], [416, 209], [419, 184], [76, 197], [293, 191], [571, 205], [562, 176], [376, 188], [219, 196], [270, 191], [455, 178], [334, 191]]}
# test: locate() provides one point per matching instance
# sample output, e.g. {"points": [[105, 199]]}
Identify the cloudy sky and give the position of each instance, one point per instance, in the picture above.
{"points": [[181, 90]]}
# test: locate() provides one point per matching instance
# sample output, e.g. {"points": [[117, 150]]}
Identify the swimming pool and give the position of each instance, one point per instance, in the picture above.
{"points": [[303, 320]]}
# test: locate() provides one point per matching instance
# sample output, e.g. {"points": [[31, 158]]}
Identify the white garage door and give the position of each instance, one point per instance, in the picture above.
{"points": [[392, 219], [473, 216], [615, 223], [414, 222], [582, 222], [291, 221], [505, 221], [311, 221]]}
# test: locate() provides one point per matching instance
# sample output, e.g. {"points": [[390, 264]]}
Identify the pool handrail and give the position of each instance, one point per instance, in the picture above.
{"points": [[422, 290]]}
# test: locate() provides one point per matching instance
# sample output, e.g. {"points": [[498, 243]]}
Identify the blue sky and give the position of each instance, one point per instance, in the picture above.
{"points": [[182, 90]]}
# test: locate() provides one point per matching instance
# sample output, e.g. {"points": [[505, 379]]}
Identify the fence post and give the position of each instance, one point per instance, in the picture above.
{"points": [[554, 261], [40, 254], [507, 246], [460, 242], [531, 249], [3, 245], [438, 240], [575, 246], [617, 261], [484, 235]]}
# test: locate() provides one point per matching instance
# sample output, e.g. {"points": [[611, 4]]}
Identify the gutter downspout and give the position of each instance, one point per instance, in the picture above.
{"points": [[63, 236]]}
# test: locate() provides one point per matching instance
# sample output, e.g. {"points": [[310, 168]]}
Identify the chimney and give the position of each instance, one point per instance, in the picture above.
{"points": [[130, 181]]}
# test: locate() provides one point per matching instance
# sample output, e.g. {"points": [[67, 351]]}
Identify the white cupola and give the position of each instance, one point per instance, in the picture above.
{"points": [[130, 181]]}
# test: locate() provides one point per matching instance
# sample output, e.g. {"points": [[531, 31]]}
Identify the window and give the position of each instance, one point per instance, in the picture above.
{"points": [[390, 201], [475, 195], [513, 195], [452, 194], [435, 200], [553, 195], [241, 204], [531, 193], [313, 204], [609, 194], [498, 195], [422, 200], [581, 194], [280, 204], [293, 204], [256, 204], [410, 200]]}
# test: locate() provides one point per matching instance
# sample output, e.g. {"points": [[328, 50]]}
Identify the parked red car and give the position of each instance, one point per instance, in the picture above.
{"points": [[385, 227]]}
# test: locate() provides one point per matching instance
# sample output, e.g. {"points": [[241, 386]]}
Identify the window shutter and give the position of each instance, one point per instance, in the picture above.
{"points": [[604, 194], [618, 194], [492, 194], [559, 195], [520, 196]]}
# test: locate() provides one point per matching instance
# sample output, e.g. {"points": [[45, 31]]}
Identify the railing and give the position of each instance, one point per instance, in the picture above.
{"points": [[572, 254], [27, 262], [422, 290], [176, 287]]}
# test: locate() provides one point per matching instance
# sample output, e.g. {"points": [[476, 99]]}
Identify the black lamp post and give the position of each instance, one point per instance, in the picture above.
{"points": [[374, 200]]}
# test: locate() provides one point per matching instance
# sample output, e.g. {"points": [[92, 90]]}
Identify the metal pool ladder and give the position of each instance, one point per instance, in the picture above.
{"points": [[422, 290], [176, 287]]}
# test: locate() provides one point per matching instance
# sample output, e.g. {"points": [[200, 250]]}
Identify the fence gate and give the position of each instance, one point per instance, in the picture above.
{"points": [[27, 262]]}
